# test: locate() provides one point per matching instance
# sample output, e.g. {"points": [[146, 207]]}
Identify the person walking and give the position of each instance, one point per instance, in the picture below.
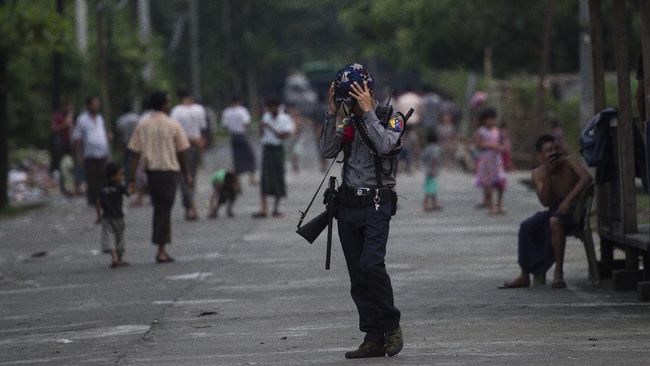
{"points": [[236, 119], [91, 146], [432, 163], [193, 119], [276, 127], [125, 126], [110, 214], [366, 201], [161, 142], [60, 129]]}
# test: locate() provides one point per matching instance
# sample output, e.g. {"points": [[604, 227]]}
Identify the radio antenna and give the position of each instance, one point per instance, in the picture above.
{"points": [[390, 96]]}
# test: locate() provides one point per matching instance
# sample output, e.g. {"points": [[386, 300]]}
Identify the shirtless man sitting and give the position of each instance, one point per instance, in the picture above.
{"points": [[558, 181]]}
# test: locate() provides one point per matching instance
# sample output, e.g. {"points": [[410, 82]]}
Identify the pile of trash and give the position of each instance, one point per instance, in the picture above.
{"points": [[29, 179]]}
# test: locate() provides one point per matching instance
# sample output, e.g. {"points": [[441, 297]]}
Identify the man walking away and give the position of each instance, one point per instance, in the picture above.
{"points": [[193, 120], [161, 142], [236, 119], [125, 126], [60, 128]]}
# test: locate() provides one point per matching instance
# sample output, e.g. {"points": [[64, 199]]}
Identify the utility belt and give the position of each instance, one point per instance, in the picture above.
{"points": [[365, 197]]}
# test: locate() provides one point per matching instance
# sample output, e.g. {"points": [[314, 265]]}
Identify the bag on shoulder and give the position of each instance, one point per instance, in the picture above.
{"points": [[595, 137]]}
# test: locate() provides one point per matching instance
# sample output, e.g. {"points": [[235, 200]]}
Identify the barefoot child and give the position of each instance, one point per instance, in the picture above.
{"points": [[110, 214], [490, 172], [225, 188], [432, 163]]}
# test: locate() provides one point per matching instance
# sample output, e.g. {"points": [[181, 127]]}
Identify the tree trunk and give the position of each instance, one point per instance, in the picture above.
{"points": [[102, 66], [56, 68], [4, 130], [253, 97], [544, 65], [195, 62]]}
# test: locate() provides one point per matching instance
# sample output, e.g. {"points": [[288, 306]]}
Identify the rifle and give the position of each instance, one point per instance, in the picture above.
{"points": [[311, 230]]}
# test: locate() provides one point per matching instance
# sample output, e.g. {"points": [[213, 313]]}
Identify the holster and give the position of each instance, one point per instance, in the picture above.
{"points": [[330, 200], [346, 197]]}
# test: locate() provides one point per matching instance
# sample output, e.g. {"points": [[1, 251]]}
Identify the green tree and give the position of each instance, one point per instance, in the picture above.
{"points": [[29, 31], [249, 46], [446, 34]]}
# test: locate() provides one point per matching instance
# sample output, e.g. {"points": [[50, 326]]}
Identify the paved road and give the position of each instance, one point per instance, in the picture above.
{"points": [[247, 292]]}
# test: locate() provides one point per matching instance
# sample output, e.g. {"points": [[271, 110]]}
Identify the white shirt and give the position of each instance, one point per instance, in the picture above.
{"points": [[92, 133], [282, 123], [235, 119], [192, 117]]}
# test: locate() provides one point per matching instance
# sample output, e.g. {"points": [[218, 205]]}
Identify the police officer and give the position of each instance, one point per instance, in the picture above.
{"points": [[366, 202]]}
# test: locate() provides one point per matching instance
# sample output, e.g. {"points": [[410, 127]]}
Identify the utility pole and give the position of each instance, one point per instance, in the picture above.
{"points": [[195, 67], [81, 26], [586, 66], [144, 21]]}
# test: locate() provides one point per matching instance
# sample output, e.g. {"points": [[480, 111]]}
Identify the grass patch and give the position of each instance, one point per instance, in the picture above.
{"points": [[13, 211]]}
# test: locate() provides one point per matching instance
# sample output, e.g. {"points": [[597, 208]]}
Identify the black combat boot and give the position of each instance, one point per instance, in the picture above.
{"points": [[394, 342], [367, 349]]}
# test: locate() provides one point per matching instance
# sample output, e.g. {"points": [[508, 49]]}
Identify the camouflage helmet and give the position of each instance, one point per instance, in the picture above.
{"points": [[344, 79]]}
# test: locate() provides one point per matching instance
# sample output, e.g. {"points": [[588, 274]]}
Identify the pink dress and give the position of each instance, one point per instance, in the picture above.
{"points": [[490, 171]]}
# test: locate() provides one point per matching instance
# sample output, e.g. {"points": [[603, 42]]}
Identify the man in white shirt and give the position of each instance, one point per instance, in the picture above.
{"points": [[236, 120], [91, 147], [193, 119], [276, 126]]}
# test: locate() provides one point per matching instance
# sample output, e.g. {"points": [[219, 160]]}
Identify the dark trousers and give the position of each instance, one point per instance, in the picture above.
{"points": [[193, 156], [364, 234], [95, 170], [162, 189]]}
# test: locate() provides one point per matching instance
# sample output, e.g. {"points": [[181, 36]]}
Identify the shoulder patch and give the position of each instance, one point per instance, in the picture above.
{"points": [[396, 123]]}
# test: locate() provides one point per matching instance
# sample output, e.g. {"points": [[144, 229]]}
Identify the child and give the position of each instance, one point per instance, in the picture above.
{"points": [[225, 188], [490, 172], [110, 215], [432, 162]]}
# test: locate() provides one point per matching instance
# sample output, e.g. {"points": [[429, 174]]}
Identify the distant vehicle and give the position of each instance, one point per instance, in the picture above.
{"points": [[306, 88]]}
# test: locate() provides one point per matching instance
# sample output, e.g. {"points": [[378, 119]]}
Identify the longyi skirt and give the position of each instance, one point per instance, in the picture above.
{"points": [[273, 182], [242, 154]]}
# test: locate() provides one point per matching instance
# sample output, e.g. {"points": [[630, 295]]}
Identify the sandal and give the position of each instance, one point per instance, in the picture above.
{"points": [[259, 215], [168, 259]]}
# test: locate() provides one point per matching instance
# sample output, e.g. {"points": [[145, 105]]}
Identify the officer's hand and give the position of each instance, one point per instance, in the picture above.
{"points": [[331, 102], [363, 96]]}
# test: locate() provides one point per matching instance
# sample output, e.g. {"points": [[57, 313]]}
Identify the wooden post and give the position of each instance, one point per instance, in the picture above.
{"points": [[625, 127], [603, 208], [645, 44], [596, 26]]}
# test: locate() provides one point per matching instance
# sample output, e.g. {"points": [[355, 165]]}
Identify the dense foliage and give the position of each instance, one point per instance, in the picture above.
{"points": [[247, 47]]}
